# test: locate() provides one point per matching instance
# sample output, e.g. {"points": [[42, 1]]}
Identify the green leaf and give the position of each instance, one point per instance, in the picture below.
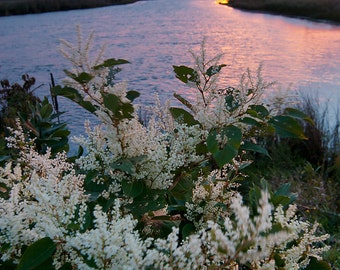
{"points": [[314, 264], [111, 63], [54, 129], [186, 74], [212, 143], [149, 200], [283, 196], [124, 165], [73, 94], [279, 262], [225, 155], [46, 110], [66, 266], [184, 101], [37, 253], [214, 69], [119, 109], [295, 113], [183, 188], [250, 121], [70, 74], [226, 152], [132, 95], [182, 116], [4, 158], [83, 78], [231, 103], [111, 102], [287, 127], [258, 111], [133, 189], [249, 146], [187, 230]]}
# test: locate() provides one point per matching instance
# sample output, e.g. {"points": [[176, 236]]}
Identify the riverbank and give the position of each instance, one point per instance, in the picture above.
{"points": [[311, 9], [19, 7]]}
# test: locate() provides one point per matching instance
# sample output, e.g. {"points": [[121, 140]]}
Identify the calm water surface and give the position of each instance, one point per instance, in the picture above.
{"points": [[156, 34]]}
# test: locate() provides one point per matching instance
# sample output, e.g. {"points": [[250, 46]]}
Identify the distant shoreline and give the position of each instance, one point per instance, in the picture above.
{"points": [[21, 7], [310, 9]]}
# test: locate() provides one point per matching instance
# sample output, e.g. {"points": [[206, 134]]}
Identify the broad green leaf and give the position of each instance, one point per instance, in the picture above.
{"points": [[250, 121], [315, 264], [4, 158], [254, 195], [61, 133], [225, 155], [226, 152], [249, 146], [279, 262], [182, 116], [127, 111], [214, 69], [73, 94], [283, 195], [212, 143], [258, 111], [183, 188], [111, 63], [46, 111], [174, 209], [133, 189], [149, 200], [50, 130], [287, 127], [234, 136], [83, 78], [231, 103], [132, 95], [70, 74], [187, 230], [298, 115], [280, 200], [184, 101], [37, 253], [66, 266], [124, 165], [111, 102], [186, 74]]}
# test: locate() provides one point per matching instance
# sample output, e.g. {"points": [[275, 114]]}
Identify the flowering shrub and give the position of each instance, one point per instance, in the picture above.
{"points": [[161, 195]]}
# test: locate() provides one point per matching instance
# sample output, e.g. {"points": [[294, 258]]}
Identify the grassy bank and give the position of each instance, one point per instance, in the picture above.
{"points": [[321, 10], [17, 7]]}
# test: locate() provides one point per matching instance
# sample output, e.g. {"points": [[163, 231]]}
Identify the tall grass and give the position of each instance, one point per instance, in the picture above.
{"points": [[311, 166]]}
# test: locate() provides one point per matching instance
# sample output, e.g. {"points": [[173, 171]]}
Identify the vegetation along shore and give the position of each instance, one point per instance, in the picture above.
{"points": [[18, 7], [319, 10]]}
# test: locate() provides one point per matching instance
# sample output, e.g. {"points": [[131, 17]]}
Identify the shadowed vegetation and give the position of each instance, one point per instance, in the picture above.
{"points": [[323, 9], [17, 7]]}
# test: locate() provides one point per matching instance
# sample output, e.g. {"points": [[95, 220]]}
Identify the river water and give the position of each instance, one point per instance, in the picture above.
{"points": [[156, 34]]}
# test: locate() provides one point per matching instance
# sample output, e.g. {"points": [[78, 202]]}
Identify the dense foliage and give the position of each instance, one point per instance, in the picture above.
{"points": [[17, 7], [165, 193]]}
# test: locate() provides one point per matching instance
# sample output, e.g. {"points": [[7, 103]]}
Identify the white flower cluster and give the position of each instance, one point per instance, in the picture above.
{"points": [[211, 197], [218, 107], [45, 197], [156, 154], [245, 239], [113, 243]]}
